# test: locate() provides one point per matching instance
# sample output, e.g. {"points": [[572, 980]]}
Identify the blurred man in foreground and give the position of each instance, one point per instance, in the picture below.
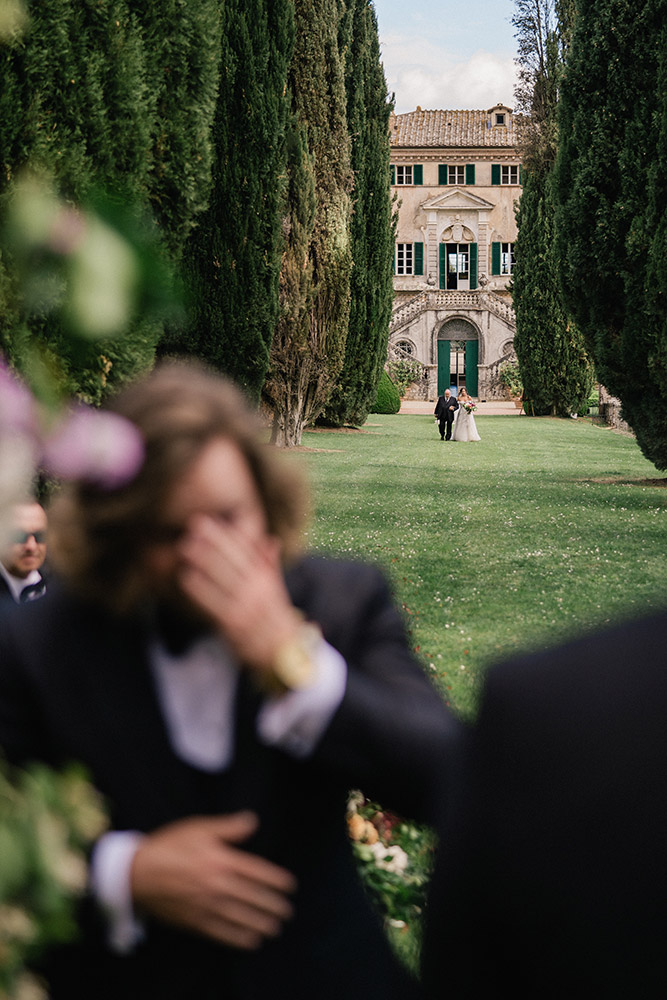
{"points": [[552, 881], [23, 557], [225, 695]]}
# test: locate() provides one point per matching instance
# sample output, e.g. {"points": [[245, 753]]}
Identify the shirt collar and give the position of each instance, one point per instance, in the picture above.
{"points": [[17, 583]]}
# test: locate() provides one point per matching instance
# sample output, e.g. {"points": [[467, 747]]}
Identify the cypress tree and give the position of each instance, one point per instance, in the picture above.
{"points": [[309, 343], [555, 368], [371, 225], [100, 105], [232, 260], [610, 221], [182, 44]]}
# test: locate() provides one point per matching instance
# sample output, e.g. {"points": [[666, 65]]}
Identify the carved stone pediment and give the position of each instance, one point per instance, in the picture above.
{"points": [[455, 200], [457, 233]]}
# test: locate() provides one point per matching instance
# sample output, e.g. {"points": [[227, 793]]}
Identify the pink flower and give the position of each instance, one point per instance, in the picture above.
{"points": [[17, 409], [101, 447]]}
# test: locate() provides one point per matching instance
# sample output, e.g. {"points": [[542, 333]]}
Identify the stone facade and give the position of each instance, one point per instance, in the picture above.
{"points": [[609, 410], [457, 176]]}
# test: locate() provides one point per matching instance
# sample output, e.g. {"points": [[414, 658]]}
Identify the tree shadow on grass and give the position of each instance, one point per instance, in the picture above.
{"points": [[624, 481]]}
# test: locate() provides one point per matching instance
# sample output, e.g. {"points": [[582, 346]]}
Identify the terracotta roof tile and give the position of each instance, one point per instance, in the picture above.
{"points": [[453, 128]]}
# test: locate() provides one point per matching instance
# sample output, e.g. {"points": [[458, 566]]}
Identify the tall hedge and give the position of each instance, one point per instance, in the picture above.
{"points": [[108, 96], [556, 370], [371, 225], [232, 260], [611, 204], [309, 342]]}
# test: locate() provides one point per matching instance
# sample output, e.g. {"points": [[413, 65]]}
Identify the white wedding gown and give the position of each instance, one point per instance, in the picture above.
{"points": [[465, 428]]}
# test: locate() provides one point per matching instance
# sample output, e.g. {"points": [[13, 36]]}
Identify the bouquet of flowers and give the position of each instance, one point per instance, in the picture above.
{"points": [[469, 406], [48, 820], [395, 860]]}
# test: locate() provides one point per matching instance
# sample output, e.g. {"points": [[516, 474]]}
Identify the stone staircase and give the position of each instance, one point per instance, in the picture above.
{"points": [[451, 301]]}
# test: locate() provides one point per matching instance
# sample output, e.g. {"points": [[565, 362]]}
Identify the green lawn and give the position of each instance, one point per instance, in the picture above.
{"points": [[540, 530]]}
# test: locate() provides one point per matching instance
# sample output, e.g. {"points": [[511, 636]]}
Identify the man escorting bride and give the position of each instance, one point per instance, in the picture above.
{"points": [[465, 428]]}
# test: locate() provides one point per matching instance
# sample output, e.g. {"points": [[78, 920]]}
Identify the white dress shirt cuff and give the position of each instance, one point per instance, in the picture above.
{"points": [[110, 883], [295, 721]]}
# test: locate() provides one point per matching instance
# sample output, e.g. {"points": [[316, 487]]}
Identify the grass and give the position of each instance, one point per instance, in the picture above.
{"points": [[542, 529]]}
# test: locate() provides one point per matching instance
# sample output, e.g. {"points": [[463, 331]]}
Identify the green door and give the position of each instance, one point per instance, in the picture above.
{"points": [[443, 366], [472, 359]]}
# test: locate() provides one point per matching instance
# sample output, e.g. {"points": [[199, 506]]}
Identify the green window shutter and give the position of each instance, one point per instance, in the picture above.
{"points": [[442, 173], [417, 174], [418, 258], [444, 362], [393, 261], [470, 173], [472, 372], [495, 258], [521, 175], [495, 173], [392, 172], [473, 265], [443, 266]]}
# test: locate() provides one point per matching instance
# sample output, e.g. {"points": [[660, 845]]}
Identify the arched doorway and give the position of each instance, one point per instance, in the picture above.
{"points": [[458, 356]]}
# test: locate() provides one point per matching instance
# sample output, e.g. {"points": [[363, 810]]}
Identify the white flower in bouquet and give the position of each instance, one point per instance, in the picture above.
{"points": [[389, 859]]}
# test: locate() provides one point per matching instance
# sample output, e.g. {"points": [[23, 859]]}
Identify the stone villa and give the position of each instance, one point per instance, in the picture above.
{"points": [[457, 175]]}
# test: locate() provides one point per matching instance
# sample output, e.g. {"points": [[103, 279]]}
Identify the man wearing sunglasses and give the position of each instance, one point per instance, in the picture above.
{"points": [[21, 561]]}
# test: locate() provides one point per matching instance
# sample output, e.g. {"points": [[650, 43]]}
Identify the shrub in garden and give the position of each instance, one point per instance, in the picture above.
{"points": [[403, 372], [510, 376], [388, 399]]}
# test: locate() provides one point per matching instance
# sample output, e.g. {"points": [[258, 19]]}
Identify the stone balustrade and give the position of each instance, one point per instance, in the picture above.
{"points": [[441, 299]]}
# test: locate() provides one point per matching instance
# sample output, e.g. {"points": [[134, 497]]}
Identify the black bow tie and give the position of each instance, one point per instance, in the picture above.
{"points": [[32, 591], [177, 632]]}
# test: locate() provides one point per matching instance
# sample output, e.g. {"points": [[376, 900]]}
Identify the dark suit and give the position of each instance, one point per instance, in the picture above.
{"points": [[76, 685], [553, 876], [444, 411]]}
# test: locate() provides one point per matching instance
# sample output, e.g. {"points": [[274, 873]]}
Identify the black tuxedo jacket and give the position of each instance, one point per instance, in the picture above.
{"points": [[553, 876], [75, 685], [445, 409]]}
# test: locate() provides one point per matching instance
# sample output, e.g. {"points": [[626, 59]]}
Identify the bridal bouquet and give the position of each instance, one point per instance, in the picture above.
{"points": [[469, 407]]}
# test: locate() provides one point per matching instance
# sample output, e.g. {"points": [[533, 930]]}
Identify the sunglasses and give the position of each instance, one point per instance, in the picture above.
{"points": [[21, 537]]}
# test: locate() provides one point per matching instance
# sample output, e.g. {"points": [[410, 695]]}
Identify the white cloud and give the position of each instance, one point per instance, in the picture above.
{"points": [[422, 73]]}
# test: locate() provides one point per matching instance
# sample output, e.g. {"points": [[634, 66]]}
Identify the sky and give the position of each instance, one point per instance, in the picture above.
{"points": [[453, 54]]}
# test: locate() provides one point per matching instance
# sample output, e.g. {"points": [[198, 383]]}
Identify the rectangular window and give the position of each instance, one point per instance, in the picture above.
{"points": [[506, 258], [407, 173], [455, 174], [404, 258], [409, 258], [463, 262], [509, 175], [404, 174], [457, 260]]}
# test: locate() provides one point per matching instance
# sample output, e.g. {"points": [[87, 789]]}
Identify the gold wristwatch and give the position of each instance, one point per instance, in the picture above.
{"points": [[293, 665]]}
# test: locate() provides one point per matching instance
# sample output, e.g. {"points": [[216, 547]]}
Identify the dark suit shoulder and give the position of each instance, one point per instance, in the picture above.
{"points": [[587, 663], [599, 698], [313, 576]]}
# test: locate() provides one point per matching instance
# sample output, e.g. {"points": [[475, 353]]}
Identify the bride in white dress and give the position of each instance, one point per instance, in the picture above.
{"points": [[464, 428]]}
